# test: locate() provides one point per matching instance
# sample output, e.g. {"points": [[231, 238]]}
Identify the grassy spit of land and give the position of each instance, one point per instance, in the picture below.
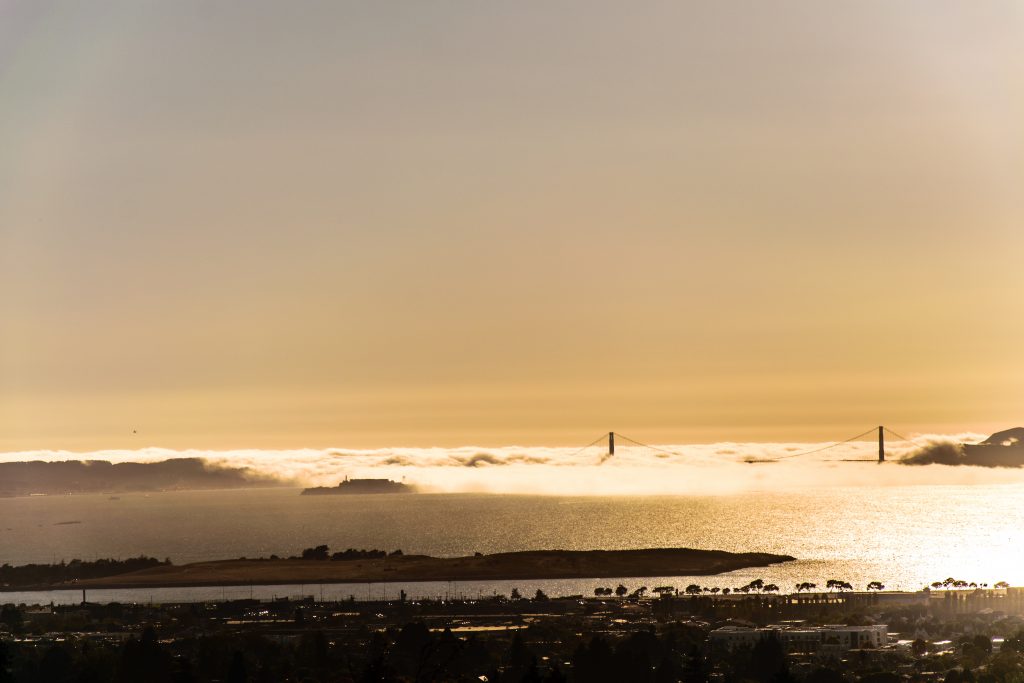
{"points": [[537, 564]]}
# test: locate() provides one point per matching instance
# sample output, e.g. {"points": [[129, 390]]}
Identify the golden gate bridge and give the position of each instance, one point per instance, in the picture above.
{"points": [[608, 444]]}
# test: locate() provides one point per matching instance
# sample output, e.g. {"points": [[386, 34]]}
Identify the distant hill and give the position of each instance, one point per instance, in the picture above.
{"points": [[1009, 438], [1002, 449], [101, 476]]}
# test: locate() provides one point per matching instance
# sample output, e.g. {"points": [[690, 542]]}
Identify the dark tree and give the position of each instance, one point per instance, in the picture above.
{"points": [[881, 677], [5, 662], [520, 659], [767, 659], [144, 660], [236, 670], [57, 665], [824, 675], [696, 668], [592, 662], [321, 552], [10, 616], [555, 675]]}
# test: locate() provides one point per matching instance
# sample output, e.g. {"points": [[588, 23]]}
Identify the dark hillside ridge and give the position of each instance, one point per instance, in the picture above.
{"points": [[101, 476], [1002, 449]]}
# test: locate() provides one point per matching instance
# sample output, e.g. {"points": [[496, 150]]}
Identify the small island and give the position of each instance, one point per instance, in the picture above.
{"points": [[360, 486], [362, 567]]}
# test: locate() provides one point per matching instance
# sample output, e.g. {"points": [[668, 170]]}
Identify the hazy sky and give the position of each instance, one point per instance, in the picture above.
{"points": [[244, 223]]}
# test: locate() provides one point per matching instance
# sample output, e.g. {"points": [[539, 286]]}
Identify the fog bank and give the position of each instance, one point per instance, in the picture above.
{"points": [[717, 468]]}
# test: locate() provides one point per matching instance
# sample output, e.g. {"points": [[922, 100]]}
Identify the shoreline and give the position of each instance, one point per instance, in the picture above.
{"points": [[525, 565]]}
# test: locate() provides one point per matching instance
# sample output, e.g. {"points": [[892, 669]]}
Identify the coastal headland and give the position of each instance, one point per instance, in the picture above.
{"points": [[534, 564]]}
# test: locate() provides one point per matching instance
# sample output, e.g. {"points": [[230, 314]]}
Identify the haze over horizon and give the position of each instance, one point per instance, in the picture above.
{"points": [[257, 225], [710, 469]]}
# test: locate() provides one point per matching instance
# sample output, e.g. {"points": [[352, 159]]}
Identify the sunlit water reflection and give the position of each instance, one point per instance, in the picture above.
{"points": [[903, 536]]}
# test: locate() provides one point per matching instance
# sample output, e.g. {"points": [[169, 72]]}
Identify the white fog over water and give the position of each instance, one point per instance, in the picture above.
{"points": [[718, 468]]}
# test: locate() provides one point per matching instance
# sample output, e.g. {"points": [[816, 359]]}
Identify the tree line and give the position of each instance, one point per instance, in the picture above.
{"points": [[323, 552], [75, 570]]}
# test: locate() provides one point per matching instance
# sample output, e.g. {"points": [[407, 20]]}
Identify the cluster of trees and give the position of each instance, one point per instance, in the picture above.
{"points": [[515, 596], [961, 584], [323, 552], [75, 570], [756, 586], [838, 585]]}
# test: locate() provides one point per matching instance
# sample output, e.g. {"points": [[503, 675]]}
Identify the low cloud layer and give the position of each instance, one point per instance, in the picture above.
{"points": [[941, 452], [694, 469]]}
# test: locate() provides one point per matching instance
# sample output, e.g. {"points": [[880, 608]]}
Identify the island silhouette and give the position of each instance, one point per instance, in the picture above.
{"points": [[360, 486], [362, 567]]}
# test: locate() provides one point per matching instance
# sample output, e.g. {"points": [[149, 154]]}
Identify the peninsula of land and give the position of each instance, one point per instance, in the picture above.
{"points": [[536, 564], [101, 476]]}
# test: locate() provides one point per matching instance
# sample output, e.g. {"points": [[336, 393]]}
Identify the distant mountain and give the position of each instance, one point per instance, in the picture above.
{"points": [[1002, 449], [1010, 438], [101, 476]]}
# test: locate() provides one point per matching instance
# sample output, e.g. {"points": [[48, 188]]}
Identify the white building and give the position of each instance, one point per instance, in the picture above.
{"points": [[804, 638]]}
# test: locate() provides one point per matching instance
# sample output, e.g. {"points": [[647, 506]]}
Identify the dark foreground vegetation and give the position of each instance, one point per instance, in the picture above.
{"points": [[408, 653], [934, 639]]}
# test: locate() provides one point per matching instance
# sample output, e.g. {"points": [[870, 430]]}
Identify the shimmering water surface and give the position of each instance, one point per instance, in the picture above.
{"points": [[903, 536]]}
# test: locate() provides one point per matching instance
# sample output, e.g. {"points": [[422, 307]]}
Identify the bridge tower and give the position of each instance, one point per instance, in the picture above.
{"points": [[611, 443], [881, 444]]}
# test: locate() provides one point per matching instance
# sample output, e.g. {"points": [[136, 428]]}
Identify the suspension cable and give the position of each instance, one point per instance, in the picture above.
{"points": [[589, 445], [898, 436], [644, 445], [824, 448]]}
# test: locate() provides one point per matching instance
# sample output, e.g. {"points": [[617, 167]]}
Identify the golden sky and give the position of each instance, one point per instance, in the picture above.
{"points": [[263, 224]]}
